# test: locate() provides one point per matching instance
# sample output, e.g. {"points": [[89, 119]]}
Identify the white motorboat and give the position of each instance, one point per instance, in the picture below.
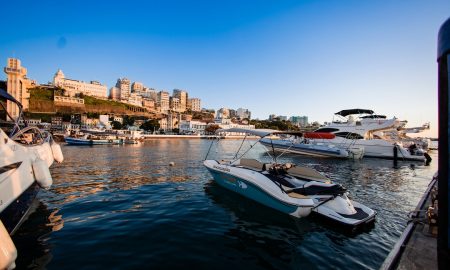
{"points": [[360, 127], [294, 190], [320, 147], [25, 157]]}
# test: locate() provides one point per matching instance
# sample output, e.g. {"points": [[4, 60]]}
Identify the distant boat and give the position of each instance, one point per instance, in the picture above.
{"points": [[89, 139], [321, 147], [360, 126]]}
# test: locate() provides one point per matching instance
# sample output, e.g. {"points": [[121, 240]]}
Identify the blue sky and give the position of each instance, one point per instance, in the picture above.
{"points": [[285, 57]]}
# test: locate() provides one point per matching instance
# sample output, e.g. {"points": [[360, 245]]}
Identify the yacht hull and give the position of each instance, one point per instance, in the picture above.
{"points": [[306, 149]]}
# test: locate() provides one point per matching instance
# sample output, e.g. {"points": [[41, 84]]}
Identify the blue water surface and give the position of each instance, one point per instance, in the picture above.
{"points": [[125, 207]]}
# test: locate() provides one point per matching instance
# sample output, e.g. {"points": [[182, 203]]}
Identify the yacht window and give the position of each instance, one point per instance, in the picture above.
{"points": [[358, 123], [349, 135], [326, 130]]}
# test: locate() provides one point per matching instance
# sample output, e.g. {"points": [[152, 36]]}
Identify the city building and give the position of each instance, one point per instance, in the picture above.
{"points": [[163, 101], [74, 87], [194, 104], [114, 93], [125, 89], [222, 113], [135, 99], [137, 88], [182, 96], [150, 93], [17, 85], [301, 121], [148, 103], [175, 104], [192, 127], [243, 113]]}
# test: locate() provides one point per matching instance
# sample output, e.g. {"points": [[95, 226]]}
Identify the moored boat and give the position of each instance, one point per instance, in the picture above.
{"points": [[291, 189]]}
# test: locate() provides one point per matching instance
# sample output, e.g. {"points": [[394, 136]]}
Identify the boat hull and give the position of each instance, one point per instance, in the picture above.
{"points": [[248, 189], [15, 213], [306, 149]]}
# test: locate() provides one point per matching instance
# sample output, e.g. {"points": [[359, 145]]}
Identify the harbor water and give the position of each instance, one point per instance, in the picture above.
{"points": [[128, 207]]}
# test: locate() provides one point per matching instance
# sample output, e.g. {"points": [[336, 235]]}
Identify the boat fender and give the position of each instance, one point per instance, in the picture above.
{"points": [[8, 252], [57, 152], [42, 173]]}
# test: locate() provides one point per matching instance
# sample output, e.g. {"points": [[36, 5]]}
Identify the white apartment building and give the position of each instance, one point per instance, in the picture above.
{"points": [[182, 96], [175, 104], [125, 88], [73, 87], [137, 88], [17, 85], [135, 100], [114, 93], [194, 104], [163, 101], [150, 93], [243, 113], [192, 127]]}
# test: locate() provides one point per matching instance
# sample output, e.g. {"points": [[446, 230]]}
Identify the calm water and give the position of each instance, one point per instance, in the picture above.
{"points": [[124, 207]]}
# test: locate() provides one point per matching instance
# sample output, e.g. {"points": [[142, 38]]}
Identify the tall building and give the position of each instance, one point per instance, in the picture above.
{"points": [[301, 121], [73, 87], [137, 88], [194, 104], [17, 86], [163, 101], [175, 104], [125, 90], [114, 93], [182, 96], [243, 113]]}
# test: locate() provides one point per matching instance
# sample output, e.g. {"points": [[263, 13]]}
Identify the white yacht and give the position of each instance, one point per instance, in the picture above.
{"points": [[360, 126], [25, 157]]}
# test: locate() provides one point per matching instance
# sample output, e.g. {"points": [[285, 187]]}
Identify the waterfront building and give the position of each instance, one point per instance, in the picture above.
{"points": [[272, 117], [243, 113], [192, 127], [194, 104], [170, 122], [114, 93], [73, 87], [125, 90], [17, 85], [182, 96], [163, 101]]}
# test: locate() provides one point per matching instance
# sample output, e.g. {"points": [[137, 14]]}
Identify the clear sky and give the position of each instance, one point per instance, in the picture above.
{"points": [[278, 57]]}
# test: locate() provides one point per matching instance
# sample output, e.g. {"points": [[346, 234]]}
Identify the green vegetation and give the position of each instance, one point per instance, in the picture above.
{"points": [[41, 94], [150, 125], [88, 100], [278, 125]]}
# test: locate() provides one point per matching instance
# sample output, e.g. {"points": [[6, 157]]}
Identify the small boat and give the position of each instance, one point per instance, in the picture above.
{"points": [[26, 153], [291, 189], [90, 139]]}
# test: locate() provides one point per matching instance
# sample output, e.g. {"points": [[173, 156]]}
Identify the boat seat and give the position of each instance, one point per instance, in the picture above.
{"points": [[307, 173], [251, 164]]}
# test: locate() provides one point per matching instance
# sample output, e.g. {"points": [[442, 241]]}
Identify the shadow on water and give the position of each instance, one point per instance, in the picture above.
{"points": [[248, 211], [32, 238]]}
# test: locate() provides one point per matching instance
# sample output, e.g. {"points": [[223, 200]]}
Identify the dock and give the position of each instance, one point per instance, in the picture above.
{"points": [[417, 246]]}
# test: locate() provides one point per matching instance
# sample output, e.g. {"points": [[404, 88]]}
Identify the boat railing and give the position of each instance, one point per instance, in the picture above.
{"points": [[31, 136]]}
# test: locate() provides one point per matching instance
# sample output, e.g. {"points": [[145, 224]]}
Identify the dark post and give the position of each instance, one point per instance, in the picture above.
{"points": [[395, 155], [443, 59]]}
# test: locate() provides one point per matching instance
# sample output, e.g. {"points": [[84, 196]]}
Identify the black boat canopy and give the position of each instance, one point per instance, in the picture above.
{"points": [[375, 116], [353, 111], [5, 94]]}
